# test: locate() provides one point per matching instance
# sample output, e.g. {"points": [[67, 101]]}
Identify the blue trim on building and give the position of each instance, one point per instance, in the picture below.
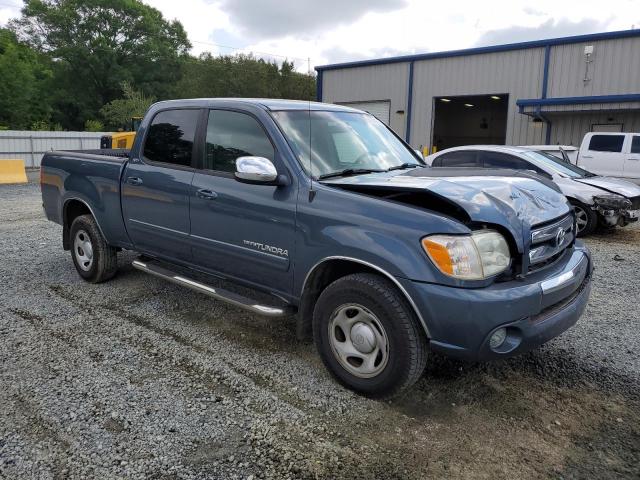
{"points": [[319, 86], [407, 133], [543, 93], [490, 49], [533, 102], [545, 71]]}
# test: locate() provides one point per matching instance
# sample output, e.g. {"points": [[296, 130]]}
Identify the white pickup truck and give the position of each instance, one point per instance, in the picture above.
{"points": [[612, 154]]}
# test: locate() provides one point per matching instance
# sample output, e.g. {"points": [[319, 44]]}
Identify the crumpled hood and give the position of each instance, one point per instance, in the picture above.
{"points": [[517, 200], [613, 185]]}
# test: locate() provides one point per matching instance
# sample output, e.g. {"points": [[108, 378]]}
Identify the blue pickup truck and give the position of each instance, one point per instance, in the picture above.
{"points": [[323, 212]]}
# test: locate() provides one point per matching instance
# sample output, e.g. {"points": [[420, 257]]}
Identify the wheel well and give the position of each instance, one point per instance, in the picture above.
{"points": [[319, 278], [72, 210]]}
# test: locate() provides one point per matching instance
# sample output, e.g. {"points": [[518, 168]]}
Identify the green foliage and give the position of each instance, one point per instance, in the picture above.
{"points": [[99, 44], [46, 125], [73, 64], [93, 126], [24, 81], [242, 76], [118, 113]]}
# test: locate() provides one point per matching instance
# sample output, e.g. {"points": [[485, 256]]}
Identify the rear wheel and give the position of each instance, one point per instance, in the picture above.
{"points": [[586, 218], [94, 259], [368, 336]]}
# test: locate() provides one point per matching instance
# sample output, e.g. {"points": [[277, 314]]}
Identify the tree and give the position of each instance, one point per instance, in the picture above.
{"points": [[243, 76], [97, 45], [118, 113], [93, 126], [25, 79]]}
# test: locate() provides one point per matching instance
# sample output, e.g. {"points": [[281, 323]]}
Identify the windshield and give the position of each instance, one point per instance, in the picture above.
{"points": [[342, 142], [558, 165]]}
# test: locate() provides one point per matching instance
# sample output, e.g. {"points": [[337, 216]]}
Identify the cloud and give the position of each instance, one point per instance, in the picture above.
{"points": [[275, 18], [340, 55], [548, 29]]}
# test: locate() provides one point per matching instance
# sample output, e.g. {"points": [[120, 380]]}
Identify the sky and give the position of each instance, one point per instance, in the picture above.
{"points": [[319, 32]]}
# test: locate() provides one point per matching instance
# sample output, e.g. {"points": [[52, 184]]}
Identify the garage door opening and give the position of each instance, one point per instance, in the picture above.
{"points": [[470, 120]]}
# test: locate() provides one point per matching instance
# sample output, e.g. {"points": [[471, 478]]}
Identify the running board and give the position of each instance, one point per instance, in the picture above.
{"points": [[217, 293]]}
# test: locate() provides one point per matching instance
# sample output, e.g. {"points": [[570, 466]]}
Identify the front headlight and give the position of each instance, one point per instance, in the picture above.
{"points": [[612, 201], [481, 255]]}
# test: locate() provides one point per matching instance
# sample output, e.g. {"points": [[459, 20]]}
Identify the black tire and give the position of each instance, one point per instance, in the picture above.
{"points": [[587, 218], [407, 342], [103, 263]]}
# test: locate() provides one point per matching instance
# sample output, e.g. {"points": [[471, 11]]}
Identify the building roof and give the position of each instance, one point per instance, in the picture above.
{"points": [[490, 49]]}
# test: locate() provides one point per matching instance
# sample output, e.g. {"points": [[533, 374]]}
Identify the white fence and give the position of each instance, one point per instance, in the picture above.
{"points": [[30, 146]]}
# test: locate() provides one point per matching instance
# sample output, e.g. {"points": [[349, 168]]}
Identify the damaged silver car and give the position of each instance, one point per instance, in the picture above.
{"points": [[597, 201]]}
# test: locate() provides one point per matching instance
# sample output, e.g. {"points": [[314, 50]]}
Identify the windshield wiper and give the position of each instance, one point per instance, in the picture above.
{"points": [[404, 166], [349, 171]]}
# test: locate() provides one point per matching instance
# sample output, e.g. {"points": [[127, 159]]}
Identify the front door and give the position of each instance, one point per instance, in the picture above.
{"points": [[604, 155], [155, 190], [240, 230]]}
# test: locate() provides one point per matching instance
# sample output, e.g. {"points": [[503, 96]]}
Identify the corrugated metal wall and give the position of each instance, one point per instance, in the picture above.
{"points": [[615, 69], [569, 129], [366, 84], [30, 146], [517, 73]]}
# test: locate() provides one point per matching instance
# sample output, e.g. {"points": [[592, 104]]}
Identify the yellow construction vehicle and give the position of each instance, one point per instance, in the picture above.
{"points": [[122, 139]]}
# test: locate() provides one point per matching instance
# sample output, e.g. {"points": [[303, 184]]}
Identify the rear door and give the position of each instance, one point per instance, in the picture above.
{"points": [[241, 230], [156, 186], [632, 161], [604, 155]]}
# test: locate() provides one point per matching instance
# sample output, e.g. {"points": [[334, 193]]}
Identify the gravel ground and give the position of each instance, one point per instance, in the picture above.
{"points": [[138, 378]]}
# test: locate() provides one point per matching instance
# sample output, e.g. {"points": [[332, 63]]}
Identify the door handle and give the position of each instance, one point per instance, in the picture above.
{"points": [[205, 194], [634, 159], [587, 156], [134, 180]]}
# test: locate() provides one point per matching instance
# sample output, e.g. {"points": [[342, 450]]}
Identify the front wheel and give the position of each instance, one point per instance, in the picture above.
{"points": [[368, 336], [586, 218], [93, 258]]}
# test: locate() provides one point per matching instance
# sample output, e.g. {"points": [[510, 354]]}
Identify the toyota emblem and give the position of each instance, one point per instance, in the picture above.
{"points": [[560, 234]]}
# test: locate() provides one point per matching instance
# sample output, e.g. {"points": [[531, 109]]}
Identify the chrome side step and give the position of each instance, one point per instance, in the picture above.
{"points": [[217, 293]]}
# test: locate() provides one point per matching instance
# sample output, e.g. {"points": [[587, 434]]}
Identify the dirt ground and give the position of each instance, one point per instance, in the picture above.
{"points": [[137, 378]]}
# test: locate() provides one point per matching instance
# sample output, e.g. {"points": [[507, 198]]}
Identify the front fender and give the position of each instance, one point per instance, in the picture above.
{"points": [[377, 232], [578, 191]]}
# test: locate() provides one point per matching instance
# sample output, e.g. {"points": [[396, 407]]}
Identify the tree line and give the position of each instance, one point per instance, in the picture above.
{"points": [[93, 64]]}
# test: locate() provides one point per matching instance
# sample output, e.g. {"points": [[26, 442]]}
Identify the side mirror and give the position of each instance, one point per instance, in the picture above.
{"points": [[258, 170]]}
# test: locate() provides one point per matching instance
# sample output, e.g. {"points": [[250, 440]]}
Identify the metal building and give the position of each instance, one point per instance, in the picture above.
{"points": [[547, 91]]}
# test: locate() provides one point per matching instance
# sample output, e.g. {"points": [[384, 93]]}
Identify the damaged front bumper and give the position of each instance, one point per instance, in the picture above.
{"points": [[462, 321], [615, 210]]}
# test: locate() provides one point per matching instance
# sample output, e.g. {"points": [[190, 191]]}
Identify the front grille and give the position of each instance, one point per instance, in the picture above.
{"points": [[635, 203], [549, 242]]}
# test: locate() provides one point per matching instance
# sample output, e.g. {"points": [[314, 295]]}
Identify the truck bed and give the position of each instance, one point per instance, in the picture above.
{"points": [[91, 177]]}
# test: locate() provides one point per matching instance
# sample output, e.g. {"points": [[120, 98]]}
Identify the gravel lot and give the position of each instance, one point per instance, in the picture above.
{"points": [[138, 378]]}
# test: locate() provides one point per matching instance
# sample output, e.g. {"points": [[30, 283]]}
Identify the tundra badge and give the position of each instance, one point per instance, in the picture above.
{"points": [[266, 248]]}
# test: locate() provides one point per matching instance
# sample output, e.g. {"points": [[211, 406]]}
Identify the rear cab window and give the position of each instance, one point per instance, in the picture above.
{"points": [[606, 143], [170, 137]]}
